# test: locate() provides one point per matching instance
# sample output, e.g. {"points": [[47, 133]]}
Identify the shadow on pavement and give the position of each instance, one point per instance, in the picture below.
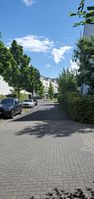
{"points": [[62, 194], [51, 121], [55, 129], [50, 112]]}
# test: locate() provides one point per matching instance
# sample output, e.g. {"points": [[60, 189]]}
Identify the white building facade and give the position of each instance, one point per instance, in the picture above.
{"points": [[46, 83], [5, 89], [88, 31]]}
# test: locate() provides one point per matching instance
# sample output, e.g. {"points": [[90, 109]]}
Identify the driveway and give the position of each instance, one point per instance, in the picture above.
{"points": [[42, 150]]}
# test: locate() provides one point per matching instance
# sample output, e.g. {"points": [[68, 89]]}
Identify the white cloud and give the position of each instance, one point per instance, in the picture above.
{"points": [[34, 43], [28, 2], [47, 65], [40, 44], [74, 66], [58, 54]]}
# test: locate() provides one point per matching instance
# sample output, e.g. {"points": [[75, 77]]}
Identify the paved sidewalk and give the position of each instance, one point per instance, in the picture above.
{"points": [[38, 156]]}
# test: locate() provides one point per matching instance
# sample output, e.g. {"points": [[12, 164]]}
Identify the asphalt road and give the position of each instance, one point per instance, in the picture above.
{"points": [[42, 150], [46, 110]]}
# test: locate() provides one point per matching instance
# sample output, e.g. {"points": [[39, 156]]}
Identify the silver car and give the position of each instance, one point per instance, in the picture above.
{"points": [[28, 103]]}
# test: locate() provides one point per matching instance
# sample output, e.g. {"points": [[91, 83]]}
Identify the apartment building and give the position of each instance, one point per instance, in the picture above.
{"points": [[5, 89], [88, 30], [46, 82]]}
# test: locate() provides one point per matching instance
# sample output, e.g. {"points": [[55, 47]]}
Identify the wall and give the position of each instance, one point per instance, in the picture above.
{"points": [[4, 87], [88, 30]]}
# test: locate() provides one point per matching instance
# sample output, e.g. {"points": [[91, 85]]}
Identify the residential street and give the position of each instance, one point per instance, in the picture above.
{"points": [[42, 150]]}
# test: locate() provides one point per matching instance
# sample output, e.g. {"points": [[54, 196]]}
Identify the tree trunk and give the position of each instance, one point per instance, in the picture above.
{"points": [[18, 93]]}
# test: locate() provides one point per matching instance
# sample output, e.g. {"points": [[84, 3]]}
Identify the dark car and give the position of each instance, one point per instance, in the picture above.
{"points": [[35, 100], [39, 97], [10, 107]]}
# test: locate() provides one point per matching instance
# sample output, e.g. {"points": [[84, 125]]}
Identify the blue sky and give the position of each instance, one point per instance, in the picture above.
{"points": [[44, 29]]}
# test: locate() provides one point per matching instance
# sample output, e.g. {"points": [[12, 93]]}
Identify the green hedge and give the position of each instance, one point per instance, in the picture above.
{"points": [[80, 108], [2, 96], [22, 96]]}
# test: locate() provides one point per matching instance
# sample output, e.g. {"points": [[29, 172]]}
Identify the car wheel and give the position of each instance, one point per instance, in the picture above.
{"points": [[20, 112]]}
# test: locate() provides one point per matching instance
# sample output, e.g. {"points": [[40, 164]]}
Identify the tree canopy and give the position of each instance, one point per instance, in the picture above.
{"points": [[41, 90], [85, 13], [33, 80], [67, 81], [51, 91], [6, 59], [84, 55], [16, 69]]}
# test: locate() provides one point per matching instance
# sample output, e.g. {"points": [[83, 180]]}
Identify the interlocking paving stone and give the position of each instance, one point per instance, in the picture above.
{"points": [[38, 156]]}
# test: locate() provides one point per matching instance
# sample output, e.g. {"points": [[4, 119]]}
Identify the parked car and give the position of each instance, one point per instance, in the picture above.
{"points": [[10, 107], [39, 97], [35, 100], [29, 103]]}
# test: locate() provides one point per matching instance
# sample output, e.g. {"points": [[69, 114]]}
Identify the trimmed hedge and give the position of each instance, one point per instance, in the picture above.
{"points": [[80, 108], [23, 96], [2, 96]]}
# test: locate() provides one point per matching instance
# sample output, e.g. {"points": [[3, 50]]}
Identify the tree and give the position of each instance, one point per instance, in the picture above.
{"points": [[32, 80], [51, 91], [36, 80], [16, 77], [84, 12], [84, 55], [41, 90], [16, 69], [67, 81], [6, 59]]}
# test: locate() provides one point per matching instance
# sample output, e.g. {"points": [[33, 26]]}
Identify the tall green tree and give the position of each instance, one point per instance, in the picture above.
{"points": [[51, 91], [84, 55], [16, 77], [67, 81], [32, 80], [36, 80], [6, 59], [16, 69], [41, 90], [85, 13], [27, 77]]}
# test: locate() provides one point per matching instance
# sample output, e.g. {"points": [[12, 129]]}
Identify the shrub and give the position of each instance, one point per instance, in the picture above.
{"points": [[11, 95], [2, 96], [23, 96], [80, 108]]}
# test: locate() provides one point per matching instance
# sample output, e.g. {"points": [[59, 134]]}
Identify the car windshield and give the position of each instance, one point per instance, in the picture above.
{"points": [[30, 100], [7, 101]]}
